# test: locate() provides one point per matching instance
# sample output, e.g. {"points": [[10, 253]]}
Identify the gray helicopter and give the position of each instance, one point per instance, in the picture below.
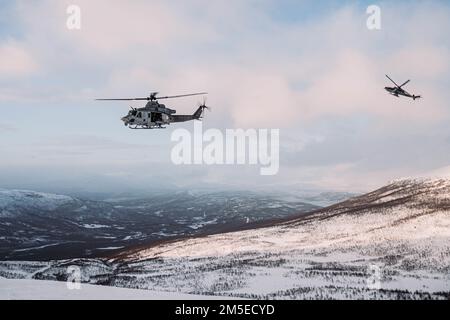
{"points": [[156, 115], [398, 90]]}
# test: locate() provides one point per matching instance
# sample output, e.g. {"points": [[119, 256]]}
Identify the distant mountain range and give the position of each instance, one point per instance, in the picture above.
{"points": [[392, 243], [42, 226]]}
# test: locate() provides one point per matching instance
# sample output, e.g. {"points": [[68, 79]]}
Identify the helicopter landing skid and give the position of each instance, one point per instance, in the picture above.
{"points": [[146, 127]]}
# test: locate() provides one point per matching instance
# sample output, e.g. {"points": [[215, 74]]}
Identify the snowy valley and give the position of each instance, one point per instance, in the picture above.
{"points": [[393, 243], [42, 226]]}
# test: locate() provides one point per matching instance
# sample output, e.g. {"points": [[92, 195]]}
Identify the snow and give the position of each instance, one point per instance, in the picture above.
{"points": [[328, 254], [81, 209], [52, 290], [403, 229], [201, 224], [338, 231], [31, 199], [37, 248], [94, 226]]}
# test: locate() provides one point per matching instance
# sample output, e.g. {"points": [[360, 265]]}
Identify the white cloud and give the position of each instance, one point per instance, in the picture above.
{"points": [[289, 73], [110, 27], [422, 62], [259, 72], [332, 67], [16, 60], [6, 128]]}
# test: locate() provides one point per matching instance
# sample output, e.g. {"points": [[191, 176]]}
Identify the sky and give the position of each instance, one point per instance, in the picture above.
{"points": [[311, 69]]}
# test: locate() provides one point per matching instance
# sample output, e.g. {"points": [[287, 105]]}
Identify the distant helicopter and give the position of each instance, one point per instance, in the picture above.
{"points": [[398, 90], [155, 115]]}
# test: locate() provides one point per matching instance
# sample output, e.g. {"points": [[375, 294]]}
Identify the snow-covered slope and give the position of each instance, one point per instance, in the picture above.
{"points": [[396, 239], [40, 226], [12, 199], [52, 290], [409, 211], [393, 243]]}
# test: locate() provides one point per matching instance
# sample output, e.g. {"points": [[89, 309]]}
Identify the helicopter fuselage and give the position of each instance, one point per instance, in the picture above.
{"points": [[399, 91], [155, 116], [396, 91]]}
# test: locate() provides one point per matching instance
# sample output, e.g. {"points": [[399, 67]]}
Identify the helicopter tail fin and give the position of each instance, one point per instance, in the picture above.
{"points": [[198, 114], [417, 97], [201, 108]]}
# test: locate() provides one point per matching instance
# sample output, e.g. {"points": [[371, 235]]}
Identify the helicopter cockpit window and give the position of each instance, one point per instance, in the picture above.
{"points": [[139, 115], [133, 112]]}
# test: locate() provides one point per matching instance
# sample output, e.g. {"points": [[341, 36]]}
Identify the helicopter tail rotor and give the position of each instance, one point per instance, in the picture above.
{"points": [[204, 106], [201, 109]]}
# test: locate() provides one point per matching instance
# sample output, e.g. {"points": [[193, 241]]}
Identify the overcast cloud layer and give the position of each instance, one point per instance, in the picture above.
{"points": [[312, 70]]}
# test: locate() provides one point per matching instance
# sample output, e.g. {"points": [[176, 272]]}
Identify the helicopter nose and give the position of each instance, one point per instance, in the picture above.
{"points": [[125, 120]]}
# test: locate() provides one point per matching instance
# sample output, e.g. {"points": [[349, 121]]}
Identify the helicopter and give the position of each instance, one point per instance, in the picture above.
{"points": [[398, 90], [156, 115]]}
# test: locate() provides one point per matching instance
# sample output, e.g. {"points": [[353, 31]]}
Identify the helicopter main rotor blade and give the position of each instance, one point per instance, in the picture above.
{"points": [[154, 97], [405, 84], [126, 99], [181, 96], [393, 82]]}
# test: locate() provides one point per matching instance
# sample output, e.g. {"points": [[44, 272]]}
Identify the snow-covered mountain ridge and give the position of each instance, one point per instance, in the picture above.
{"points": [[402, 231], [11, 200], [392, 243], [404, 210], [42, 226]]}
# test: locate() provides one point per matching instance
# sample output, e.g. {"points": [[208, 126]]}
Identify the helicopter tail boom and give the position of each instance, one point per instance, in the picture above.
{"points": [[181, 118], [196, 116]]}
